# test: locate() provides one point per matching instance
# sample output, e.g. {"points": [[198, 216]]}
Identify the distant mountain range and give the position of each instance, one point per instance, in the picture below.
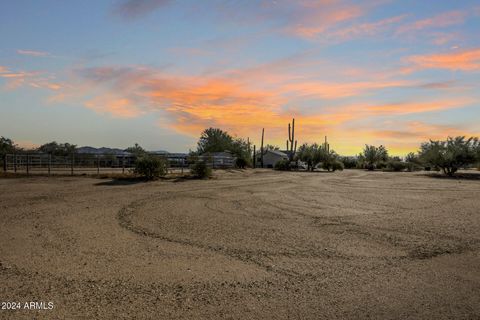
{"points": [[102, 150]]}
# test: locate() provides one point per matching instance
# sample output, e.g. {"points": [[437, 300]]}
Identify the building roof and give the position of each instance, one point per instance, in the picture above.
{"points": [[276, 152]]}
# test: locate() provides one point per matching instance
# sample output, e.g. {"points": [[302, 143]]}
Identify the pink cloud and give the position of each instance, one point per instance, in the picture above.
{"points": [[445, 19], [33, 53], [366, 29], [322, 16]]}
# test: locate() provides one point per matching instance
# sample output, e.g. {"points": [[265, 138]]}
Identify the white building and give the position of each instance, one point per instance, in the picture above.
{"points": [[270, 157]]}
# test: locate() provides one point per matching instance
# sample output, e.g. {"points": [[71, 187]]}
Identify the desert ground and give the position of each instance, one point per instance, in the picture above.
{"points": [[253, 244]]}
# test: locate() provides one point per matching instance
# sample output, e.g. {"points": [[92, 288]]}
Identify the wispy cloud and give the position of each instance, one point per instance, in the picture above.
{"points": [[332, 90], [464, 60], [445, 19], [317, 18], [357, 30], [33, 53], [36, 79], [132, 9]]}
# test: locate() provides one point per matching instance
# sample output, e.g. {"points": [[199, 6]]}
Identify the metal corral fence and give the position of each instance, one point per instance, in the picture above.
{"points": [[82, 163]]}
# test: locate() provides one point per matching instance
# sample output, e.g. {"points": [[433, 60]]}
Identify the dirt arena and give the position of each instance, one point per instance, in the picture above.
{"points": [[243, 245]]}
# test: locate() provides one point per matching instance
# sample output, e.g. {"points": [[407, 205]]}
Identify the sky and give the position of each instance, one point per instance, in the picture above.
{"points": [[158, 72]]}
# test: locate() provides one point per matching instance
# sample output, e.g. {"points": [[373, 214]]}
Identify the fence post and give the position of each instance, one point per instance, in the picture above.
{"points": [[5, 163], [72, 163], [15, 162], [123, 164], [98, 164], [49, 163], [28, 164]]}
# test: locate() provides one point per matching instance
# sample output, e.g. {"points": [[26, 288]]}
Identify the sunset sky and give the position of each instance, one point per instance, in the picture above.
{"points": [[157, 72]]}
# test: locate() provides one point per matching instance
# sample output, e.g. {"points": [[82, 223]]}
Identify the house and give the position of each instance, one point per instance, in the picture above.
{"points": [[270, 157]]}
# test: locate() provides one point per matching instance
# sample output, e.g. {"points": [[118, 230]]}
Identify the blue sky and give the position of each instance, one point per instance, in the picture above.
{"points": [[157, 72]]}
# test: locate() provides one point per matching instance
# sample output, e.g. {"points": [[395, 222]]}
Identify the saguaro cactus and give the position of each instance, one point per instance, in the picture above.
{"points": [[261, 148], [291, 142], [326, 145]]}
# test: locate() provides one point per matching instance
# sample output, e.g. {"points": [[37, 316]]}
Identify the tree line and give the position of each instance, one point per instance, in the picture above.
{"points": [[447, 156]]}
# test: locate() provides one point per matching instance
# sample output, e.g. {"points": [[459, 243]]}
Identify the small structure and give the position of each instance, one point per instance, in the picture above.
{"points": [[270, 157]]}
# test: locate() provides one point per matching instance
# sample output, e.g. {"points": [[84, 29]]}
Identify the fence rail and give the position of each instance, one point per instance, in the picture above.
{"points": [[41, 163]]}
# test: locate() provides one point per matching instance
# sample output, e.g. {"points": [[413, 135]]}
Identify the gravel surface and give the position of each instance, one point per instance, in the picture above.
{"points": [[243, 245]]}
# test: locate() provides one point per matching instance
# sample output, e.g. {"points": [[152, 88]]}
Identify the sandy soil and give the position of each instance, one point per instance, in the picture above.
{"points": [[245, 245]]}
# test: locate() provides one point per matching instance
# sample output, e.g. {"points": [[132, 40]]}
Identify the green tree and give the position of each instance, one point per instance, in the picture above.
{"points": [[58, 149], [374, 156], [306, 153], [451, 154], [214, 140], [241, 150], [413, 162], [315, 154], [217, 140], [271, 147], [136, 150], [6, 146]]}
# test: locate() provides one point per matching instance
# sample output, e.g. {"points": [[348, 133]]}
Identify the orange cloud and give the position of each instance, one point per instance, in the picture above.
{"points": [[411, 108], [118, 107], [34, 79], [241, 103], [465, 60]]}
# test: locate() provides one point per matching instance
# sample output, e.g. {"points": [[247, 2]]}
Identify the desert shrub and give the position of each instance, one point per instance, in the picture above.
{"points": [[413, 162], [200, 169], [241, 163], [349, 162], [414, 167], [450, 155], [150, 167], [395, 165], [381, 165], [282, 165], [337, 165]]}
